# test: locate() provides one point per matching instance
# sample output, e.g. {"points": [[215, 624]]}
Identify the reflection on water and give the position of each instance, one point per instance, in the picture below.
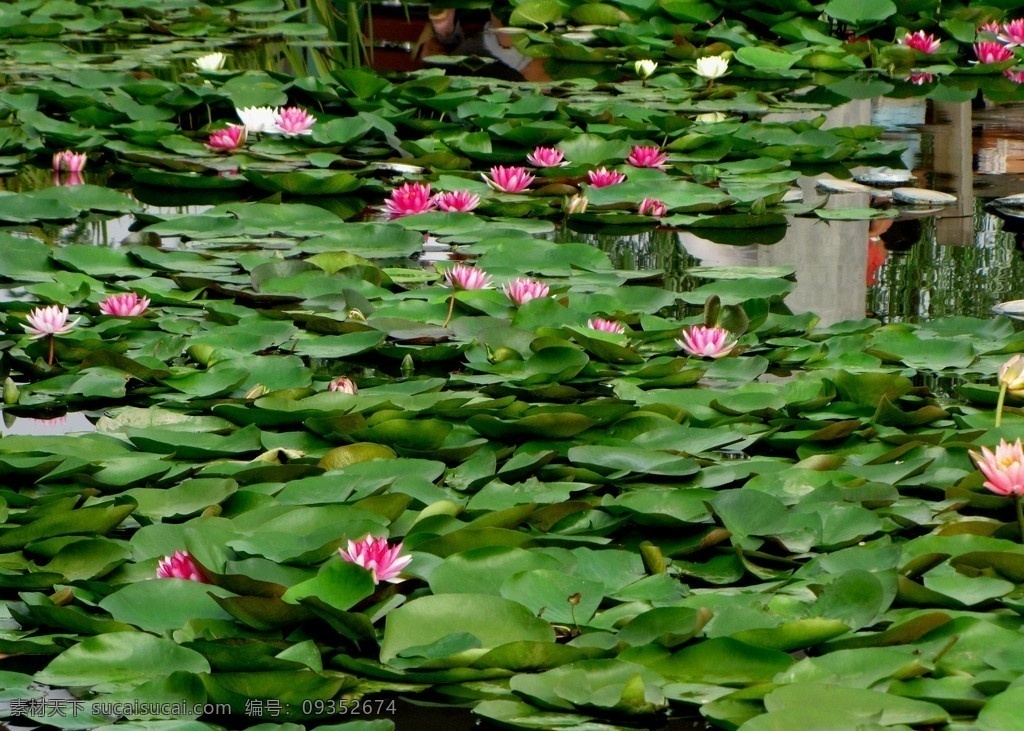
{"points": [[849, 269], [70, 423], [91, 229], [925, 264], [924, 279]]}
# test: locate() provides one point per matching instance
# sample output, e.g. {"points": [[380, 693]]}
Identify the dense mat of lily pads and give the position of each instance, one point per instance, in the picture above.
{"points": [[597, 527], [945, 49], [925, 40]]}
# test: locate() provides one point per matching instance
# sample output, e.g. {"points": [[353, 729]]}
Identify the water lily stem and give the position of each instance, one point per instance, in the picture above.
{"points": [[49, 360], [1020, 516], [999, 404], [945, 648], [451, 310]]}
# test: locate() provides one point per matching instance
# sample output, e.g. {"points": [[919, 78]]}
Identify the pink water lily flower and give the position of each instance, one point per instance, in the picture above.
{"points": [[293, 121], [343, 384], [179, 565], [509, 179], [456, 201], [1016, 77], [651, 207], [72, 162], [383, 562], [522, 290], [52, 320], [992, 52], [991, 26], [920, 78], [602, 177], [229, 139], [546, 157], [1003, 469], [128, 304], [409, 199], [649, 156], [461, 276], [921, 41], [1013, 33], [707, 342], [608, 326]]}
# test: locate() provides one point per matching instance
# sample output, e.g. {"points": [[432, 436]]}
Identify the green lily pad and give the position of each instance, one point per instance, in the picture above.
{"points": [[120, 659], [493, 621], [306, 182]]}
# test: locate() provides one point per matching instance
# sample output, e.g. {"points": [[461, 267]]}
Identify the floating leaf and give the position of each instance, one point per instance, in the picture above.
{"points": [[120, 658], [494, 621]]}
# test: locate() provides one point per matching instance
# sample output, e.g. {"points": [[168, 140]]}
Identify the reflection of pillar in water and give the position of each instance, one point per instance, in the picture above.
{"points": [[951, 166], [711, 254], [830, 259], [850, 114]]}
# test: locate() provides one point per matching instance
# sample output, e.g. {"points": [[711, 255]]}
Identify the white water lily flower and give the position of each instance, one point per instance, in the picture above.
{"points": [[710, 118], [210, 62], [712, 67], [645, 67], [258, 120]]}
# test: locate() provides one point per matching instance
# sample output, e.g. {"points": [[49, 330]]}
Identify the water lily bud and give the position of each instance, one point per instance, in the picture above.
{"points": [[645, 67], [710, 117], [500, 355], [654, 560], [11, 392], [201, 354], [575, 205], [256, 392], [63, 597], [408, 366], [279, 455], [1011, 375], [355, 314]]}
